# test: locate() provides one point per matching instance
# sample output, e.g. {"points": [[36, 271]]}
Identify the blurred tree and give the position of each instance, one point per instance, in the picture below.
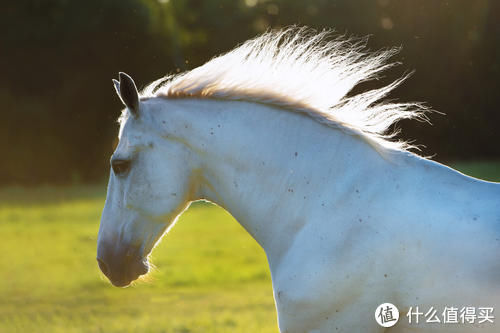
{"points": [[57, 75]]}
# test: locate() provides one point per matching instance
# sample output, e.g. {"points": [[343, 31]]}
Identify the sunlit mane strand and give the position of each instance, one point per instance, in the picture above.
{"points": [[306, 71]]}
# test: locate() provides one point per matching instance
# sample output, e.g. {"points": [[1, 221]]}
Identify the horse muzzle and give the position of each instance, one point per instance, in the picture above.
{"points": [[121, 263]]}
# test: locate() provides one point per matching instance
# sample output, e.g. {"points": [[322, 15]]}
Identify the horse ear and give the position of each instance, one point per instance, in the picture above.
{"points": [[117, 87], [127, 91]]}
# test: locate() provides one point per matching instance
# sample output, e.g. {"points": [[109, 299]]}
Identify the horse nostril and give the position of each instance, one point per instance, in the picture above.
{"points": [[102, 266]]}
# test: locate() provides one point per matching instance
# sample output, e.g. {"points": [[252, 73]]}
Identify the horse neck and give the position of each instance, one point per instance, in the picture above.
{"points": [[272, 168], [279, 172]]}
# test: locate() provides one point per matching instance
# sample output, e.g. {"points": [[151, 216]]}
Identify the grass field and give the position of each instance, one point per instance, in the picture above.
{"points": [[211, 276]]}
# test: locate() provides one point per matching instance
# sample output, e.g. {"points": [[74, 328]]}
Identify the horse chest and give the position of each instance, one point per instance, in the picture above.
{"points": [[313, 294]]}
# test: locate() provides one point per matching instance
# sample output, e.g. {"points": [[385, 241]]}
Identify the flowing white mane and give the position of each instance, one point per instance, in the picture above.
{"points": [[305, 71]]}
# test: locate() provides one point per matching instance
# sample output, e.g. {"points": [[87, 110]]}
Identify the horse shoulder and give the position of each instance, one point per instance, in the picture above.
{"points": [[318, 283]]}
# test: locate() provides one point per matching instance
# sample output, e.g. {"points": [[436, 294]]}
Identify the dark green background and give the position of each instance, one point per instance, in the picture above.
{"points": [[57, 58]]}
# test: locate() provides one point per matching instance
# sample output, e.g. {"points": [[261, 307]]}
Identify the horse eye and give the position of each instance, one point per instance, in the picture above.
{"points": [[120, 167]]}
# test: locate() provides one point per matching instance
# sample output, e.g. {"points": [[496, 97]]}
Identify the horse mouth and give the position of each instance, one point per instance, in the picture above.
{"points": [[133, 274], [120, 284], [123, 275]]}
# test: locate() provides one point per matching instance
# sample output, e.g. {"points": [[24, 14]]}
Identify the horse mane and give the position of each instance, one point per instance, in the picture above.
{"points": [[306, 71]]}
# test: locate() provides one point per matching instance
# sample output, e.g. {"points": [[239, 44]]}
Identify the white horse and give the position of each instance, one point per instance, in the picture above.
{"points": [[348, 218]]}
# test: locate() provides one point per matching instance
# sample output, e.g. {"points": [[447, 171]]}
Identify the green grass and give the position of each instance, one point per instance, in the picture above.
{"points": [[211, 276]]}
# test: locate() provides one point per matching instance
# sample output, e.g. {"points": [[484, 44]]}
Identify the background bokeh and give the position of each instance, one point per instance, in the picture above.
{"points": [[57, 59]]}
